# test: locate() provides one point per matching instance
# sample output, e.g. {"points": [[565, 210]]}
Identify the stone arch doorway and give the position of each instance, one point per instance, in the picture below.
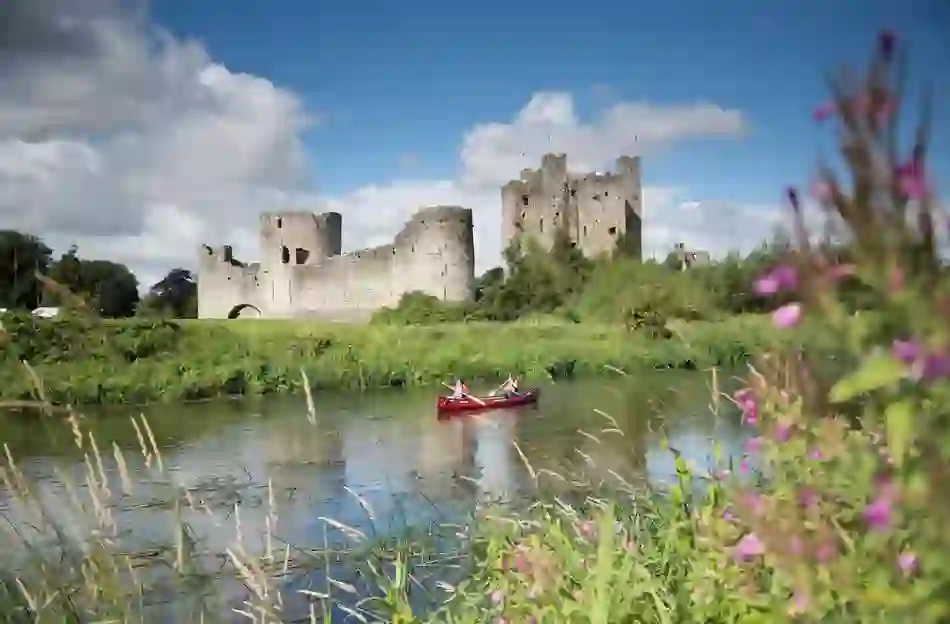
{"points": [[244, 310]]}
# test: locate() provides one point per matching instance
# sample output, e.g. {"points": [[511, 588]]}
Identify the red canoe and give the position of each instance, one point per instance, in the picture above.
{"points": [[470, 403]]}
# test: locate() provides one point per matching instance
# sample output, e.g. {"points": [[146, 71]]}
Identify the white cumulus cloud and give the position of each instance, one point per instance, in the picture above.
{"points": [[137, 146]]}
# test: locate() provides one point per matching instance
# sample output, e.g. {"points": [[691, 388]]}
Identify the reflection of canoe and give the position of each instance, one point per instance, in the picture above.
{"points": [[470, 403]]}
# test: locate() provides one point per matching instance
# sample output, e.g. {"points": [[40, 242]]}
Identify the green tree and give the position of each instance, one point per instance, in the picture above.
{"points": [[22, 256], [108, 287], [174, 295]]}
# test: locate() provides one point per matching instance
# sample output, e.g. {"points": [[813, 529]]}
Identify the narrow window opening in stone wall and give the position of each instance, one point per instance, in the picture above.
{"points": [[612, 230], [573, 192], [524, 200], [524, 214], [606, 194], [585, 230], [541, 225], [284, 255], [280, 222], [302, 255]]}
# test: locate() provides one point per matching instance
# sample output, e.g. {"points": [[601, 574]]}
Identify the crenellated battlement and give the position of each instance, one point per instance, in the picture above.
{"points": [[596, 208]]}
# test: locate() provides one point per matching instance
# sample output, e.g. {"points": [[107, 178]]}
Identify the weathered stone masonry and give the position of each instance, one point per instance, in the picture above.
{"points": [[596, 208], [303, 273]]}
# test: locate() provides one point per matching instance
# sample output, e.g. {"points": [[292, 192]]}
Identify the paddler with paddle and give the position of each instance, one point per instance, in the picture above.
{"points": [[509, 388], [460, 390]]}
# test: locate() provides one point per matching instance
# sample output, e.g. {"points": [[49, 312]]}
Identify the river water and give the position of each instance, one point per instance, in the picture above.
{"points": [[377, 462]]}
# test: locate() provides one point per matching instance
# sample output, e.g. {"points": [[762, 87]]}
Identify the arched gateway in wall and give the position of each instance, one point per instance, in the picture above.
{"points": [[245, 310]]}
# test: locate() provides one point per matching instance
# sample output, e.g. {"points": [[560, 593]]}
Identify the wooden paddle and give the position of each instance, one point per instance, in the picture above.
{"points": [[464, 394]]}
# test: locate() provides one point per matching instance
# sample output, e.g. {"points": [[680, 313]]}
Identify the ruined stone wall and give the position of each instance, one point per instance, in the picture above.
{"points": [[596, 208], [434, 253], [225, 284], [304, 274]]}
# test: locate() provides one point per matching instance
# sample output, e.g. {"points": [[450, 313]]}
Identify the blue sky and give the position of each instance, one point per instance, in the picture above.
{"points": [[396, 78]]}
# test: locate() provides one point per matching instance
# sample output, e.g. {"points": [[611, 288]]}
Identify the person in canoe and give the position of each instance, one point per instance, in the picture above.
{"points": [[460, 390], [509, 388]]}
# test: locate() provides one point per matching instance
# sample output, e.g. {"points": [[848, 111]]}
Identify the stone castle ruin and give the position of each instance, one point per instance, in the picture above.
{"points": [[596, 209], [303, 272]]}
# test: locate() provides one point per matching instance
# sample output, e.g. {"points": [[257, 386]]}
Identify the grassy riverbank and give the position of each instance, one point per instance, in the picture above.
{"points": [[135, 361]]}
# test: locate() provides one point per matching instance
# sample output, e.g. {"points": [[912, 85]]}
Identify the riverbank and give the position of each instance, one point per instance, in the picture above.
{"points": [[136, 361]]}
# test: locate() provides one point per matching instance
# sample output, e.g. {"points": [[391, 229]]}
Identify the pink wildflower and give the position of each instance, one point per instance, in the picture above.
{"points": [[839, 271], [911, 179], [826, 551], [746, 402], [924, 365], [782, 277], [795, 545], [907, 561], [800, 603], [782, 431], [749, 546], [807, 497], [497, 595], [879, 511], [744, 466], [787, 316], [816, 455], [753, 445], [754, 503], [824, 111]]}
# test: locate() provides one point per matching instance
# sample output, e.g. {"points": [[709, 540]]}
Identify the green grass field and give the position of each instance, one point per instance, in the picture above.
{"points": [[213, 358]]}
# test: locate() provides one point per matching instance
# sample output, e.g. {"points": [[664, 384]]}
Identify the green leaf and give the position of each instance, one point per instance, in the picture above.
{"points": [[897, 420], [876, 372]]}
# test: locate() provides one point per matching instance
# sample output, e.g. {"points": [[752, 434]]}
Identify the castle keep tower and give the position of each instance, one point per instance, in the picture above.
{"points": [[596, 209]]}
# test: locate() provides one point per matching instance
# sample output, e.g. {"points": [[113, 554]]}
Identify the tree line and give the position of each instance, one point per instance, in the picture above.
{"points": [[616, 288], [30, 277]]}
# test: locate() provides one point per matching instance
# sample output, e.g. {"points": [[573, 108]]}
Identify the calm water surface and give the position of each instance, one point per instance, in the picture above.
{"points": [[387, 448]]}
